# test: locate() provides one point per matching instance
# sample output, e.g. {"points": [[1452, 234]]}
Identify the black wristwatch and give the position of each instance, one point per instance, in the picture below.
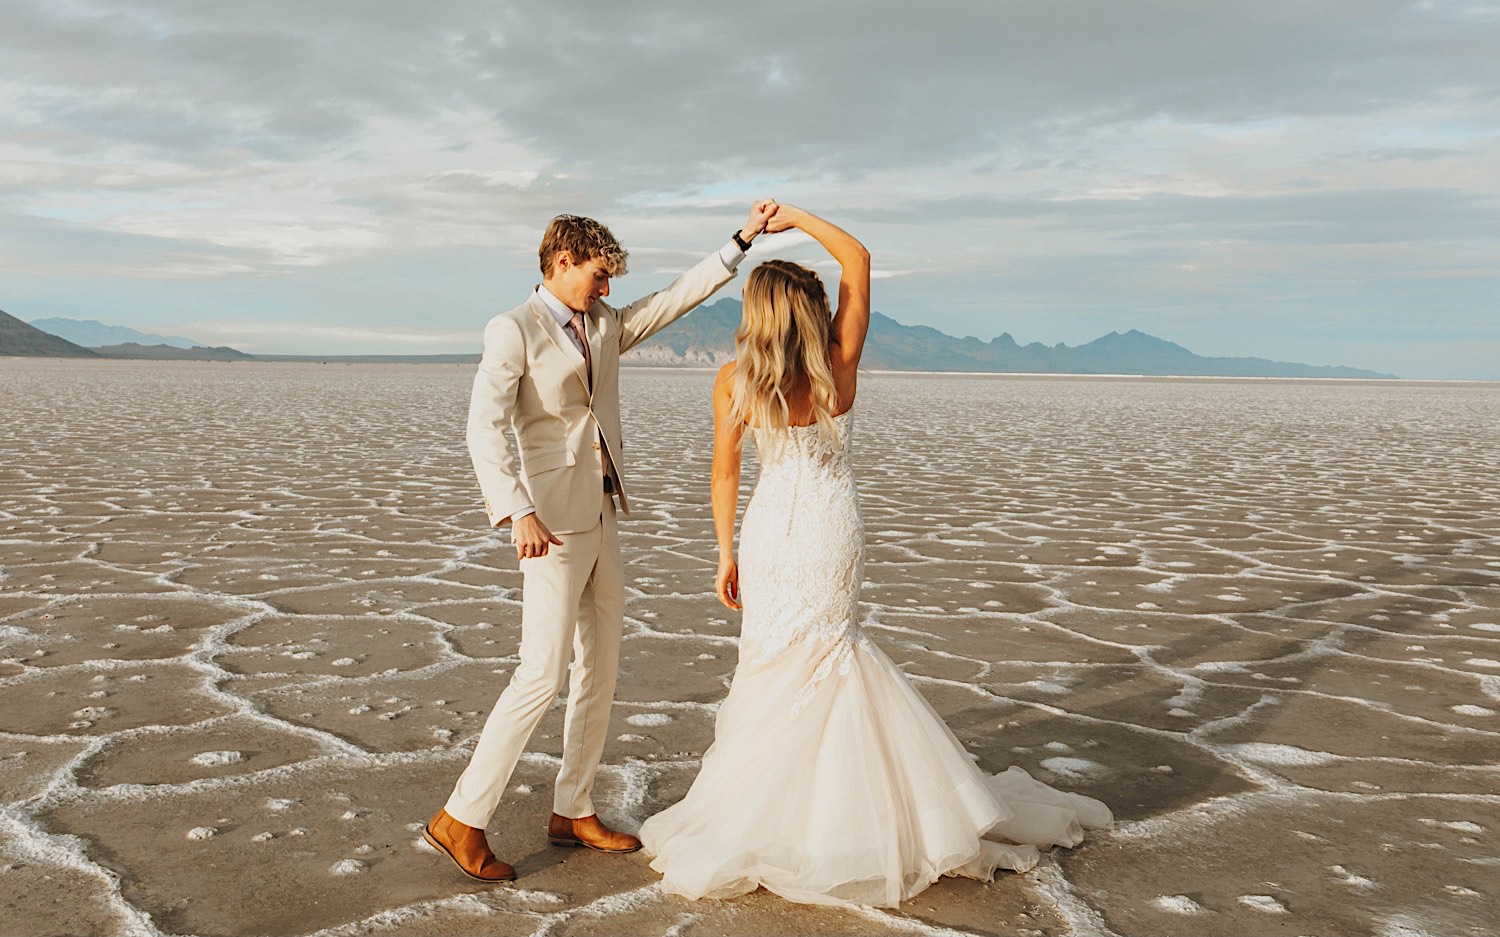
{"points": [[740, 242]]}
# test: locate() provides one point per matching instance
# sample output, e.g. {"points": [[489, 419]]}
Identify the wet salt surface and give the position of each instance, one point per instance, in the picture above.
{"points": [[250, 622]]}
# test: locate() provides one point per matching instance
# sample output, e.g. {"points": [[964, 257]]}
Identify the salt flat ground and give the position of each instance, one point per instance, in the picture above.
{"points": [[251, 618]]}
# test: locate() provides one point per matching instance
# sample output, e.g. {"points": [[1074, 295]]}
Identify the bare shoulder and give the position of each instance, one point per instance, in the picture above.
{"points": [[723, 396], [724, 380]]}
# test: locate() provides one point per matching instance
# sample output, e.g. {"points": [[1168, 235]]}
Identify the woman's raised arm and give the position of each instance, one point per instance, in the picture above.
{"points": [[851, 322]]}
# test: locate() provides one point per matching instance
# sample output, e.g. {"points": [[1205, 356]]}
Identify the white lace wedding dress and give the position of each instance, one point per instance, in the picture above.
{"points": [[830, 779]]}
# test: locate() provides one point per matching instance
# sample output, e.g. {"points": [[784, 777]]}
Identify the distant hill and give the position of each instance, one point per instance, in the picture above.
{"points": [[91, 334], [172, 353], [705, 337], [17, 339], [378, 359]]}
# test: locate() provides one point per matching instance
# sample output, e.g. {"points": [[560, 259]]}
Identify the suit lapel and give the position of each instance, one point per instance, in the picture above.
{"points": [[560, 338]]}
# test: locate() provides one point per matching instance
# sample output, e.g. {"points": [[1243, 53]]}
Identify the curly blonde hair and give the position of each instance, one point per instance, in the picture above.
{"points": [[584, 238], [781, 343]]}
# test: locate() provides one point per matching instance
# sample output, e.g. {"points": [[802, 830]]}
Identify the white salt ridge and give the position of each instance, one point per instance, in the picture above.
{"points": [[348, 867], [1046, 686], [1221, 666], [202, 832], [1076, 768], [1352, 879], [1468, 709], [1267, 753], [1490, 686], [536, 896], [217, 759], [1483, 662], [1081, 919], [400, 920], [1460, 826], [648, 720], [1485, 626], [1264, 903], [1177, 904]]}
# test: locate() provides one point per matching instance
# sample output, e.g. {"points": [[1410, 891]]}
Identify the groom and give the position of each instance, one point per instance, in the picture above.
{"points": [[550, 373]]}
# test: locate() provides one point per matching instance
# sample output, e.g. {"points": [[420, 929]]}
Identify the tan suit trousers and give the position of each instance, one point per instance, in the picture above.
{"points": [[573, 604]]}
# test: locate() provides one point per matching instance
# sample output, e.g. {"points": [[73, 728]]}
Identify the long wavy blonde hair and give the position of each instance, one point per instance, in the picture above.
{"points": [[782, 342]]}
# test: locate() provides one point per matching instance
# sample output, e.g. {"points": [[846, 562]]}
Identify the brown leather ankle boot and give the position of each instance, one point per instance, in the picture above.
{"points": [[468, 849], [588, 831]]}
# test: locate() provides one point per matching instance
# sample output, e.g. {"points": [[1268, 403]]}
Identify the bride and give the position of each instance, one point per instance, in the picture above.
{"points": [[830, 779]]}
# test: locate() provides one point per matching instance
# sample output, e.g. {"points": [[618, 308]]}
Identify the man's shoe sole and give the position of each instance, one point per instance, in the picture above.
{"points": [[560, 841], [432, 841]]}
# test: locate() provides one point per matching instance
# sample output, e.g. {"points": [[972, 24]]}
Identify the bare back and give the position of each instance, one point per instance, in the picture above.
{"points": [[799, 399]]}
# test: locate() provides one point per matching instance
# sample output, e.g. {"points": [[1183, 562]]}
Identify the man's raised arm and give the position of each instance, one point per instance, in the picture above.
{"points": [[646, 316]]}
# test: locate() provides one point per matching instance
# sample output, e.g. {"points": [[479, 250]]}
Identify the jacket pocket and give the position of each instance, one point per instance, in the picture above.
{"points": [[543, 462]]}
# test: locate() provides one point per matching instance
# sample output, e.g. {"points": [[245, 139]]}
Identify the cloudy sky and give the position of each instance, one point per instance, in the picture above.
{"points": [[1310, 181]]}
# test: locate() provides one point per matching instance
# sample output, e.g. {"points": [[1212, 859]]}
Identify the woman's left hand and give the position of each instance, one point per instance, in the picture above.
{"points": [[784, 218], [727, 583]]}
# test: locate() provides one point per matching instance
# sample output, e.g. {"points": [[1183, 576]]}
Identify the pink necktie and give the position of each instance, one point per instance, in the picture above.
{"points": [[576, 324]]}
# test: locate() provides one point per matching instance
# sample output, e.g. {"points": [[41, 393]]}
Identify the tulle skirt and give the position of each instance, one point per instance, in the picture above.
{"points": [[831, 780]]}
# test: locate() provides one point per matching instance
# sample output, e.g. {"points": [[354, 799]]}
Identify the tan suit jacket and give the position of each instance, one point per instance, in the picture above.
{"points": [[532, 381]]}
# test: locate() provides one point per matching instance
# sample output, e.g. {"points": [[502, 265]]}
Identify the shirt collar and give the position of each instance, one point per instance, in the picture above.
{"points": [[557, 307]]}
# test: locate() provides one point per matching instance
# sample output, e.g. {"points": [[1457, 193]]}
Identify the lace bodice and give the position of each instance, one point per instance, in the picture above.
{"points": [[802, 545], [780, 448]]}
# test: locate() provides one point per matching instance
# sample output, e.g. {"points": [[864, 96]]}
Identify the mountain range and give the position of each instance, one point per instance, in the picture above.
{"points": [[65, 338], [91, 334], [705, 338]]}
